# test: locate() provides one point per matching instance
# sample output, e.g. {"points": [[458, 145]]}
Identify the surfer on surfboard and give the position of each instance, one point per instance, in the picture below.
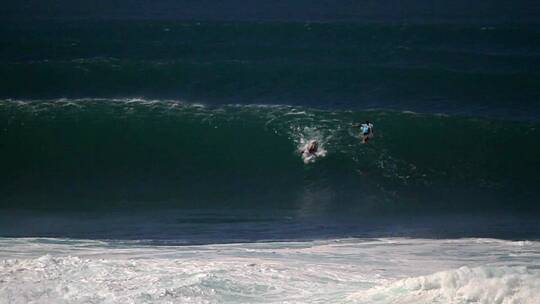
{"points": [[311, 150], [367, 130], [312, 146]]}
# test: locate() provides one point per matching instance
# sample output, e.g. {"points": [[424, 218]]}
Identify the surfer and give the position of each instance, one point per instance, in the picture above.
{"points": [[311, 147], [367, 130], [310, 151]]}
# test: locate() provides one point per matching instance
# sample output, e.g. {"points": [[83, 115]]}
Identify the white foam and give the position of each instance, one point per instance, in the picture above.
{"points": [[333, 271], [495, 285]]}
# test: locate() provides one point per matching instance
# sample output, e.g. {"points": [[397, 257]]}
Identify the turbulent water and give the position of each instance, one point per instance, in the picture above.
{"points": [[337, 271], [157, 161]]}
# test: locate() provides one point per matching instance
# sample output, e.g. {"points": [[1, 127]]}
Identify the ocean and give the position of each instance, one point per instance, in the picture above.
{"points": [[155, 157]]}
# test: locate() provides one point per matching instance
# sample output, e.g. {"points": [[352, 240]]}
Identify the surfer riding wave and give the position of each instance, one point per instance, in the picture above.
{"points": [[367, 130], [311, 150]]}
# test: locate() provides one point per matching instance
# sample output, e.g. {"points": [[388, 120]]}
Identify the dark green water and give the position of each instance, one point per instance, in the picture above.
{"points": [[89, 154]]}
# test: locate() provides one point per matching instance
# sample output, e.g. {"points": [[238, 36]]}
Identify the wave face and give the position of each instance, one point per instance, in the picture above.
{"points": [[100, 154], [450, 68]]}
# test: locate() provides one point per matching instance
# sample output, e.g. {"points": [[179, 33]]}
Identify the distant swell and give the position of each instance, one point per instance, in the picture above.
{"points": [[95, 154], [462, 69]]}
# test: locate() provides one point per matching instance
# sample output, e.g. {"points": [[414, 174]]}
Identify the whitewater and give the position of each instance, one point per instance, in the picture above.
{"points": [[377, 270]]}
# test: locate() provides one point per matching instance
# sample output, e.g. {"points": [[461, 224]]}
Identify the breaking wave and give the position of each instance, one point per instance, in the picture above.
{"points": [[93, 153]]}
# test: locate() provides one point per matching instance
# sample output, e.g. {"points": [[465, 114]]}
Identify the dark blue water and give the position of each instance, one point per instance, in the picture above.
{"points": [[181, 121], [456, 68]]}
